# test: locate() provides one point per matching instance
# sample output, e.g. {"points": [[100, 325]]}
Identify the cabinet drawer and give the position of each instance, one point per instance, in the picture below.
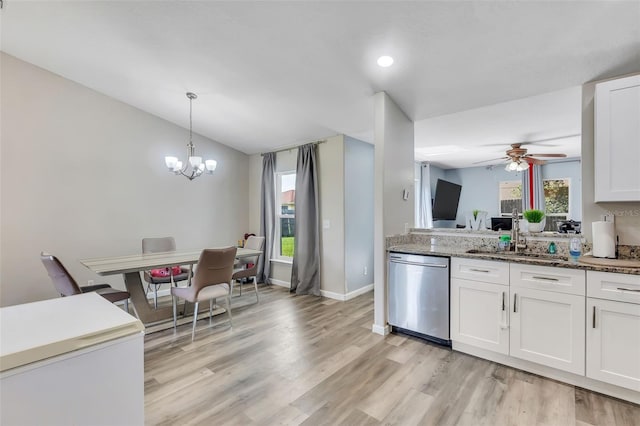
{"points": [[560, 280], [480, 270], [611, 286]]}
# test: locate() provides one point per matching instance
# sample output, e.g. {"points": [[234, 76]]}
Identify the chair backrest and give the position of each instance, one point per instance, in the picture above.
{"points": [[62, 280], [158, 245], [254, 243], [215, 266]]}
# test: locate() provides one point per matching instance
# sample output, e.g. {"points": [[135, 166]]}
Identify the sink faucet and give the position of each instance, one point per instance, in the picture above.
{"points": [[515, 233]]}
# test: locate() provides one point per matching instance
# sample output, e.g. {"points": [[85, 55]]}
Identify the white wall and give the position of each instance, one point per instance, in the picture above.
{"points": [[358, 211], [394, 172], [627, 215], [83, 176]]}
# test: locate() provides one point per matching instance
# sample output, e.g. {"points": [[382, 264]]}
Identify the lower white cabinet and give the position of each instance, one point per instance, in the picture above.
{"points": [[613, 328], [548, 328], [479, 314]]}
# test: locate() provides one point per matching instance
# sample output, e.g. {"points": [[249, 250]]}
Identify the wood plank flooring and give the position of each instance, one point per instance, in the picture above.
{"points": [[305, 360]]}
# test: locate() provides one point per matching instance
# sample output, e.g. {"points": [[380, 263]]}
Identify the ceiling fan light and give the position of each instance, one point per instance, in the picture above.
{"points": [[512, 166], [523, 165]]}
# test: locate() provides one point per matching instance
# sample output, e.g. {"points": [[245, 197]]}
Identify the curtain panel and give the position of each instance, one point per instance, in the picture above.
{"points": [[267, 215], [305, 271]]}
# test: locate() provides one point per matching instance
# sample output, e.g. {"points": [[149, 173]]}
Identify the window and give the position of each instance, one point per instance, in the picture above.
{"points": [[286, 215], [556, 200], [510, 197]]}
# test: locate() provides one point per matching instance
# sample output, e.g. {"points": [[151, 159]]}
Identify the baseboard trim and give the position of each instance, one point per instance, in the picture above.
{"points": [[552, 373], [344, 297], [355, 293], [280, 283], [382, 330]]}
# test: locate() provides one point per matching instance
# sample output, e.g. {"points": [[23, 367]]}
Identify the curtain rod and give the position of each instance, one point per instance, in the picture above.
{"points": [[294, 147]]}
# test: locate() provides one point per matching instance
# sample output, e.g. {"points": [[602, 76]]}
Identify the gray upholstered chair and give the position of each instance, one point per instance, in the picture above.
{"points": [[249, 266], [210, 282], [161, 245], [67, 286]]}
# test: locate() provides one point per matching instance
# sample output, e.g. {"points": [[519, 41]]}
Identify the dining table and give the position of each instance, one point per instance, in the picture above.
{"points": [[130, 266]]}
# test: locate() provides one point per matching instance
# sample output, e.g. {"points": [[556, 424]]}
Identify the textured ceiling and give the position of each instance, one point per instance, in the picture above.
{"points": [[273, 74]]}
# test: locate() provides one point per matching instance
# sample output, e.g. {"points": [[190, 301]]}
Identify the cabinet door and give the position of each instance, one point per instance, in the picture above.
{"points": [[548, 328], [617, 140], [479, 314], [613, 342]]}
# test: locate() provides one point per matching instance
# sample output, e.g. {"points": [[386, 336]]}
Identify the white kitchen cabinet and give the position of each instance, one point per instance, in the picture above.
{"points": [[480, 314], [613, 342], [548, 328], [613, 328], [547, 317], [617, 140]]}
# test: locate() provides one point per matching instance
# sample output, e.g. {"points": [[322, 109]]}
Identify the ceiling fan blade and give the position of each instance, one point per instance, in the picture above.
{"points": [[493, 159], [534, 161], [547, 155]]}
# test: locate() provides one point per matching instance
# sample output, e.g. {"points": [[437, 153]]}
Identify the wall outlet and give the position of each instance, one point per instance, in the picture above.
{"points": [[364, 272], [90, 282]]}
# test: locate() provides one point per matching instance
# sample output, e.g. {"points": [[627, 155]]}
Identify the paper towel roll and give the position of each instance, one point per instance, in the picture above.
{"points": [[604, 244]]}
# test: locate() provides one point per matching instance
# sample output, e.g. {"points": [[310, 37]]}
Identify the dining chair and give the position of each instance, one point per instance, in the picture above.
{"points": [[67, 286], [211, 281], [161, 245], [249, 265]]}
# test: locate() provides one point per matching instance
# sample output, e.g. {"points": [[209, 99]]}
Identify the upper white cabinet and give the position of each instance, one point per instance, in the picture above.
{"points": [[617, 140]]}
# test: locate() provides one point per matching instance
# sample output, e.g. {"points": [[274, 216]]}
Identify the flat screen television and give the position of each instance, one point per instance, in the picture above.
{"points": [[445, 203]]}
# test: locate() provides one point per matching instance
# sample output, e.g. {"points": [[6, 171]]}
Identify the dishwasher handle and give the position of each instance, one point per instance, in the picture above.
{"points": [[427, 265]]}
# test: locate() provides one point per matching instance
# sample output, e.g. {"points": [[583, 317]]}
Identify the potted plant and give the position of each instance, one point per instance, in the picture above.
{"points": [[534, 219]]}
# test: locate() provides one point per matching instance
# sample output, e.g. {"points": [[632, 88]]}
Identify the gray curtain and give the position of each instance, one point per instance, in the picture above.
{"points": [[305, 271], [267, 214], [425, 220]]}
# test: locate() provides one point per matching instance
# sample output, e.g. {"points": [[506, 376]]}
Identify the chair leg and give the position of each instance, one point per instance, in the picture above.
{"points": [[228, 300], [195, 318], [175, 311], [255, 285], [231, 291], [155, 297], [241, 282], [126, 305], [210, 310]]}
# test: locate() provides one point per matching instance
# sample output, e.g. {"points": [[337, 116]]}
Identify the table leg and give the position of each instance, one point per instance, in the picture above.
{"points": [[145, 312]]}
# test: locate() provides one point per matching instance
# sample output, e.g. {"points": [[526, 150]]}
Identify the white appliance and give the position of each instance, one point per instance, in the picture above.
{"points": [[75, 360]]}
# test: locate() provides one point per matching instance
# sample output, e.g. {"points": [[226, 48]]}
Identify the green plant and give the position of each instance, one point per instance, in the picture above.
{"points": [[475, 214], [533, 216]]}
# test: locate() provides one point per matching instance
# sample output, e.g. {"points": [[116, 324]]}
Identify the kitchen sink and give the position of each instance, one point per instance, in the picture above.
{"points": [[519, 254]]}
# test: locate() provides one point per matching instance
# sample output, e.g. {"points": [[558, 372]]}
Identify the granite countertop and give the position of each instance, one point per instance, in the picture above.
{"points": [[546, 260]]}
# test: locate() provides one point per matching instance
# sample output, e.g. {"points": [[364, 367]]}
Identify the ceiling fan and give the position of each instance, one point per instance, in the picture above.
{"points": [[518, 159]]}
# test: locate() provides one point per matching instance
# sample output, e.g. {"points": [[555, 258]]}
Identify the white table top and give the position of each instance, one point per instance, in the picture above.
{"points": [[35, 331], [142, 262]]}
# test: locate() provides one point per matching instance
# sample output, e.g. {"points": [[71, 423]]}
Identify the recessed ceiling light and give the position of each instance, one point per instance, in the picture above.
{"points": [[385, 61]]}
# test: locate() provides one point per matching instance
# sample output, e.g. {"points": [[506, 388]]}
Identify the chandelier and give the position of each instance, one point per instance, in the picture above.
{"points": [[517, 165], [194, 166]]}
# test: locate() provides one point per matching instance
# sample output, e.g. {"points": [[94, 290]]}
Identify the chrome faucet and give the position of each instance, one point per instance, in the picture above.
{"points": [[515, 233]]}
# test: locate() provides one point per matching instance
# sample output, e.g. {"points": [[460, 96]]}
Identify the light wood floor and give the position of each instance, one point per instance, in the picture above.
{"points": [[313, 361]]}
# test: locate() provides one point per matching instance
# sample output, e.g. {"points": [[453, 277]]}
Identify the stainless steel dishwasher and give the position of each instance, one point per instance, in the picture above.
{"points": [[419, 295]]}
